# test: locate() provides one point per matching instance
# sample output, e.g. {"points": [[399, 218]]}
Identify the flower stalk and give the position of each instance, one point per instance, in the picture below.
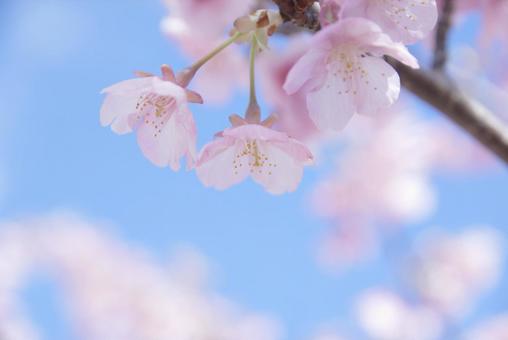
{"points": [[253, 113], [185, 77]]}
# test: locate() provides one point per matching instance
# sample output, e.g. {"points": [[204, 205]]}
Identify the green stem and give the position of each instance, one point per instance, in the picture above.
{"points": [[253, 49], [253, 114], [215, 51]]}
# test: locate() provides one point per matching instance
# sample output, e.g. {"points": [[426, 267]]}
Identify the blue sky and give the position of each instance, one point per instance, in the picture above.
{"points": [[55, 58]]}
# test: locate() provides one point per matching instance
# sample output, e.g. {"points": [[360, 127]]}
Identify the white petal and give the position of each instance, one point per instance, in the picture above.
{"points": [[332, 106], [378, 87], [280, 172]]}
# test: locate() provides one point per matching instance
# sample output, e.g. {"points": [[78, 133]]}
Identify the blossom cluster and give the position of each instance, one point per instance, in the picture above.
{"points": [[337, 73], [113, 290], [116, 291]]}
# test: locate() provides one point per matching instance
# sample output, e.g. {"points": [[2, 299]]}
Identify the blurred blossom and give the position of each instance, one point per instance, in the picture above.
{"points": [[351, 242], [495, 328], [495, 24], [451, 272], [470, 74], [385, 316], [15, 260], [383, 178], [115, 291], [208, 18]]}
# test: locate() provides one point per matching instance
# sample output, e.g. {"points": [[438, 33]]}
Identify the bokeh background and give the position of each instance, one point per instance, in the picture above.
{"points": [[57, 55]]}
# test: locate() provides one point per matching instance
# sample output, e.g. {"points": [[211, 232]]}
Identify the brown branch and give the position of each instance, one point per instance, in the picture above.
{"points": [[442, 94], [302, 13], [441, 40]]}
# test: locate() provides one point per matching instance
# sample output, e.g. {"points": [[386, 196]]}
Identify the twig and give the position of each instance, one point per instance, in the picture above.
{"points": [[437, 90], [302, 13], [472, 116], [441, 40]]}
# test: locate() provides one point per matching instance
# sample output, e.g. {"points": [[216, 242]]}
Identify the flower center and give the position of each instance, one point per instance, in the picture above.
{"points": [[154, 110], [257, 161], [346, 65]]}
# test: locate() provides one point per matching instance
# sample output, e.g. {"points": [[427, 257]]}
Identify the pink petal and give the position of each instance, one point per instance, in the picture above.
{"points": [[128, 86], [164, 142], [281, 172], [407, 21], [310, 66], [333, 105], [219, 165], [379, 89]]}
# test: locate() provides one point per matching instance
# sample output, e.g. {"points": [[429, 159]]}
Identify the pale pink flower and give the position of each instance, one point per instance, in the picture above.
{"points": [[271, 158], [292, 114], [406, 21], [395, 154], [116, 291], [343, 73], [451, 272], [349, 242], [385, 316], [210, 18], [398, 154], [156, 108]]}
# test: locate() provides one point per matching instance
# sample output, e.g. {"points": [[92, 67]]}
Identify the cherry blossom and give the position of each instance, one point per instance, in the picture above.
{"points": [[343, 73], [113, 290], [406, 21], [271, 158], [386, 316], [398, 153], [451, 271], [292, 114], [156, 109]]}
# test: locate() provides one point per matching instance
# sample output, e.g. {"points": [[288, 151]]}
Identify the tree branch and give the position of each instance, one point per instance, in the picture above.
{"points": [[440, 92], [302, 13], [441, 41]]}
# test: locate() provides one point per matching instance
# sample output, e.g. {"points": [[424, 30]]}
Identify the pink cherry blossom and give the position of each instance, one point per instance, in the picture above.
{"points": [[398, 154], [348, 243], [343, 73], [271, 158], [451, 272], [292, 114], [384, 315], [156, 108], [113, 290], [406, 21]]}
